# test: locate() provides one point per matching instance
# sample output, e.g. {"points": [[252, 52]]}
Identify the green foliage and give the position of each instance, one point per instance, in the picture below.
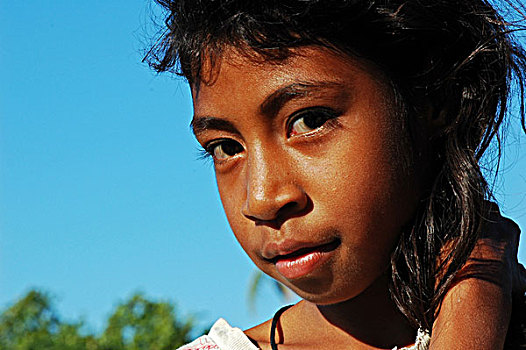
{"points": [[32, 323], [137, 324]]}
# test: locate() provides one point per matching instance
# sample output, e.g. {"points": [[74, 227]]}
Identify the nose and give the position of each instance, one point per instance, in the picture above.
{"points": [[272, 195]]}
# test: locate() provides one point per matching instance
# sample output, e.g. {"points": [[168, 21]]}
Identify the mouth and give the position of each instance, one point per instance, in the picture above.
{"points": [[303, 261]]}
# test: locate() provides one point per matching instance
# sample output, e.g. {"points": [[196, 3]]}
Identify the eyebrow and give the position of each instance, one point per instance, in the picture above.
{"points": [[269, 107], [200, 124], [275, 101]]}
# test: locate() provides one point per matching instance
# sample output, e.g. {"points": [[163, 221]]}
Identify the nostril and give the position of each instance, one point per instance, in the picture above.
{"points": [[287, 209], [274, 202]]}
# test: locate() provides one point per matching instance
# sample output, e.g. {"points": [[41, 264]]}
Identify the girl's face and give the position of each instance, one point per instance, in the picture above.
{"points": [[311, 159]]}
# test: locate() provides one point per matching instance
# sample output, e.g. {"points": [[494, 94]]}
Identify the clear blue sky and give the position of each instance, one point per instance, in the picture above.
{"points": [[101, 191]]}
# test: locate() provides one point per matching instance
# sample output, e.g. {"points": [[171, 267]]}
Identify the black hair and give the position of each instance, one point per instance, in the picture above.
{"points": [[459, 57]]}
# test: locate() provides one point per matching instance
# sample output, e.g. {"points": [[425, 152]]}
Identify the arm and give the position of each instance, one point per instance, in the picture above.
{"points": [[475, 312]]}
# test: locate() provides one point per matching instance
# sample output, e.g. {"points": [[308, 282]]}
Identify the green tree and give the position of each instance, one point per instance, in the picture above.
{"points": [[32, 323], [140, 324]]}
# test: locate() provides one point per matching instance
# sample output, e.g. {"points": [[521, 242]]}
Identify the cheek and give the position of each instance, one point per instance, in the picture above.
{"points": [[233, 195], [367, 187], [231, 198], [367, 198], [370, 172]]}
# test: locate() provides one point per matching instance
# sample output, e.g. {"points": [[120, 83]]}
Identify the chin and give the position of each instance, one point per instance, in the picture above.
{"points": [[328, 298], [328, 289], [324, 291]]}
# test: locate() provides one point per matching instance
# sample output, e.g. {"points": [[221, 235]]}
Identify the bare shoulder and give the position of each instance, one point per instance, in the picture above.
{"points": [[260, 334], [288, 334]]}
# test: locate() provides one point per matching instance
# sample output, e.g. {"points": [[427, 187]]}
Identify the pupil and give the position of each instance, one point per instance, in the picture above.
{"points": [[231, 148], [314, 120]]}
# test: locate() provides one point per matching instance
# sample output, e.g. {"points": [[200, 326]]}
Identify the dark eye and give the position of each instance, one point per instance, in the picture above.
{"points": [[224, 149], [308, 120]]}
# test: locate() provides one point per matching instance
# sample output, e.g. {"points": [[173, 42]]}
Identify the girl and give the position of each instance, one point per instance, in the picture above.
{"points": [[346, 137]]}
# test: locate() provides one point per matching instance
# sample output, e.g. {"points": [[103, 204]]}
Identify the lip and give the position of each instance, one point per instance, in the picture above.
{"points": [[297, 259], [290, 247]]}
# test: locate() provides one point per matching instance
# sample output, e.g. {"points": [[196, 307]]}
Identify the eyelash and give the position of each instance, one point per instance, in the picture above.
{"points": [[207, 151], [203, 154], [329, 120]]}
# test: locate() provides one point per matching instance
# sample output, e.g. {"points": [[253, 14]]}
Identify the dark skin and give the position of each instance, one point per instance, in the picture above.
{"points": [[311, 165], [475, 312], [376, 323]]}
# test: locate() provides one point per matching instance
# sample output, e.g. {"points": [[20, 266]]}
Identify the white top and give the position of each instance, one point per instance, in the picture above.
{"points": [[224, 337]]}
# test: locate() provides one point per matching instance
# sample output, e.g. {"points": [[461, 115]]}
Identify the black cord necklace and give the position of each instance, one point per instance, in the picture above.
{"points": [[274, 325]]}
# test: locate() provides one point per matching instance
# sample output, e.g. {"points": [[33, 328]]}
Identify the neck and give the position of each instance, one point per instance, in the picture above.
{"points": [[371, 318]]}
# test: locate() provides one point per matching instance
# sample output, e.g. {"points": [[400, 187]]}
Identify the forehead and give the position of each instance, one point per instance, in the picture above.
{"points": [[238, 79]]}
